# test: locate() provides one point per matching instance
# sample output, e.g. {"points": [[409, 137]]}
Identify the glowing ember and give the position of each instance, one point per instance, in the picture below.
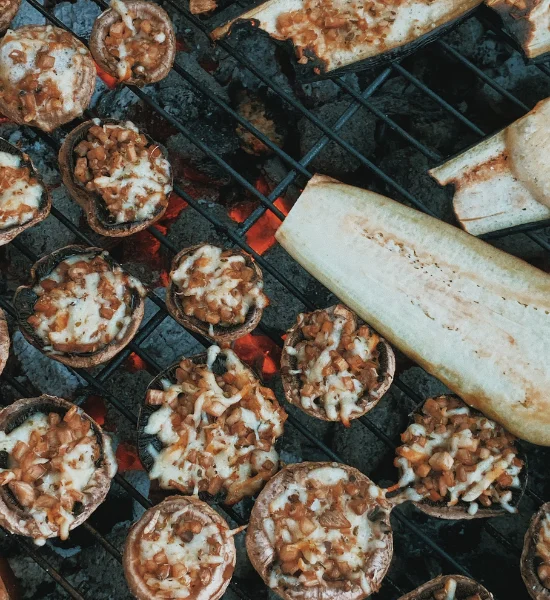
{"points": [[134, 363], [107, 79], [260, 352], [95, 407], [127, 458], [261, 236]]}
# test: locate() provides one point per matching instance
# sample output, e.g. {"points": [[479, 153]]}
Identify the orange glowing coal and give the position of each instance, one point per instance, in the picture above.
{"points": [[260, 352], [127, 458], [134, 363], [107, 79], [95, 407], [261, 236]]}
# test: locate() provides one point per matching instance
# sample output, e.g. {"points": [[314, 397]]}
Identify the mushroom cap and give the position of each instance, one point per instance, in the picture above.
{"points": [[291, 381], [18, 520], [262, 555], [465, 587], [25, 298], [222, 335], [199, 511], [84, 87], [7, 235], [529, 561], [9, 14], [93, 205], [4, 341], [109, 63]]}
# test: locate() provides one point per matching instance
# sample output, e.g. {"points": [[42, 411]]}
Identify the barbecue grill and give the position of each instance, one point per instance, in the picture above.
{"points": [[486, 550]]}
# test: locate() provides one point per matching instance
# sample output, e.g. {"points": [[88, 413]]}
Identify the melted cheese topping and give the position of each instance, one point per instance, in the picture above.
{"points": [[185, 557], [20, 193], [85, 312], [319, 524], [74, 471], [214, 437], [212, 278], [64, 76]]}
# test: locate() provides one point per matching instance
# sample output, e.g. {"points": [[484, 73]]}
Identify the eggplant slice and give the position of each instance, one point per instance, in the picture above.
{"points": [[462, 509], [464, 588], [25, 298], [7, 234], [531, 561], [337, 36], [44, 45], [133, 9], [8, 10], [4, 341], [293, 384], [150, 444], [189, 509], [99, 217], [218, 333], [13, 516], [366, 503]]}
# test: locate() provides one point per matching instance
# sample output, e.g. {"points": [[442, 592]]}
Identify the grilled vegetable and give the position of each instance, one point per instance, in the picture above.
{"points": [[4, 341], [8, 10], [335, 35], [504, 180], [473, 316], [451, 587], [535, 558]]}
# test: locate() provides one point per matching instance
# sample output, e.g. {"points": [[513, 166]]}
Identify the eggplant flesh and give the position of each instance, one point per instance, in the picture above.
{"points": [[471, 315], [330, 37]]}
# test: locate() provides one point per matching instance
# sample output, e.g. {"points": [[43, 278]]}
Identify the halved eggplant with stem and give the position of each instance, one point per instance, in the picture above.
{"points": [[24, 198], [216, 292], [8, 10], [535, 558], [301, 521], [81, 308], [4, 341], [118, 174], [134, 42], [47, 76], [42, 493], [335, 367], [210, 396], [455, 463], [329, 38], [180, 546], [452, 587]]}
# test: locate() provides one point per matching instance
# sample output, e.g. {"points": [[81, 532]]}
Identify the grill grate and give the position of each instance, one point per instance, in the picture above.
{"points": [[411, 525]]}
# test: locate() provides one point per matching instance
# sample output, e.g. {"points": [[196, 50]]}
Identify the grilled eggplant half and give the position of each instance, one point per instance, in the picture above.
{"points": [[62, 82], [330, 37], [8, 10], [455, 463], [535, 558], [528, 21], [216, 292], [449, 587], [4, 341], [134, 42], [304, 511], [505, 180], [24, 198], [82, 308], [118, 174], [193, 549], [48, 498], [359, 363]]}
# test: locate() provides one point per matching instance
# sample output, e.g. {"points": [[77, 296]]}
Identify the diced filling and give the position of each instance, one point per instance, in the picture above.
{"points": [[182, 555], [217, 286], [452, 453], [449, 592], [324, 529], [543, 551], [337, 362], [83, 304], [40, 70], [138, 44], [130, 174], [320, 26], [20, 192], [218, 431], [51, 464]]}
